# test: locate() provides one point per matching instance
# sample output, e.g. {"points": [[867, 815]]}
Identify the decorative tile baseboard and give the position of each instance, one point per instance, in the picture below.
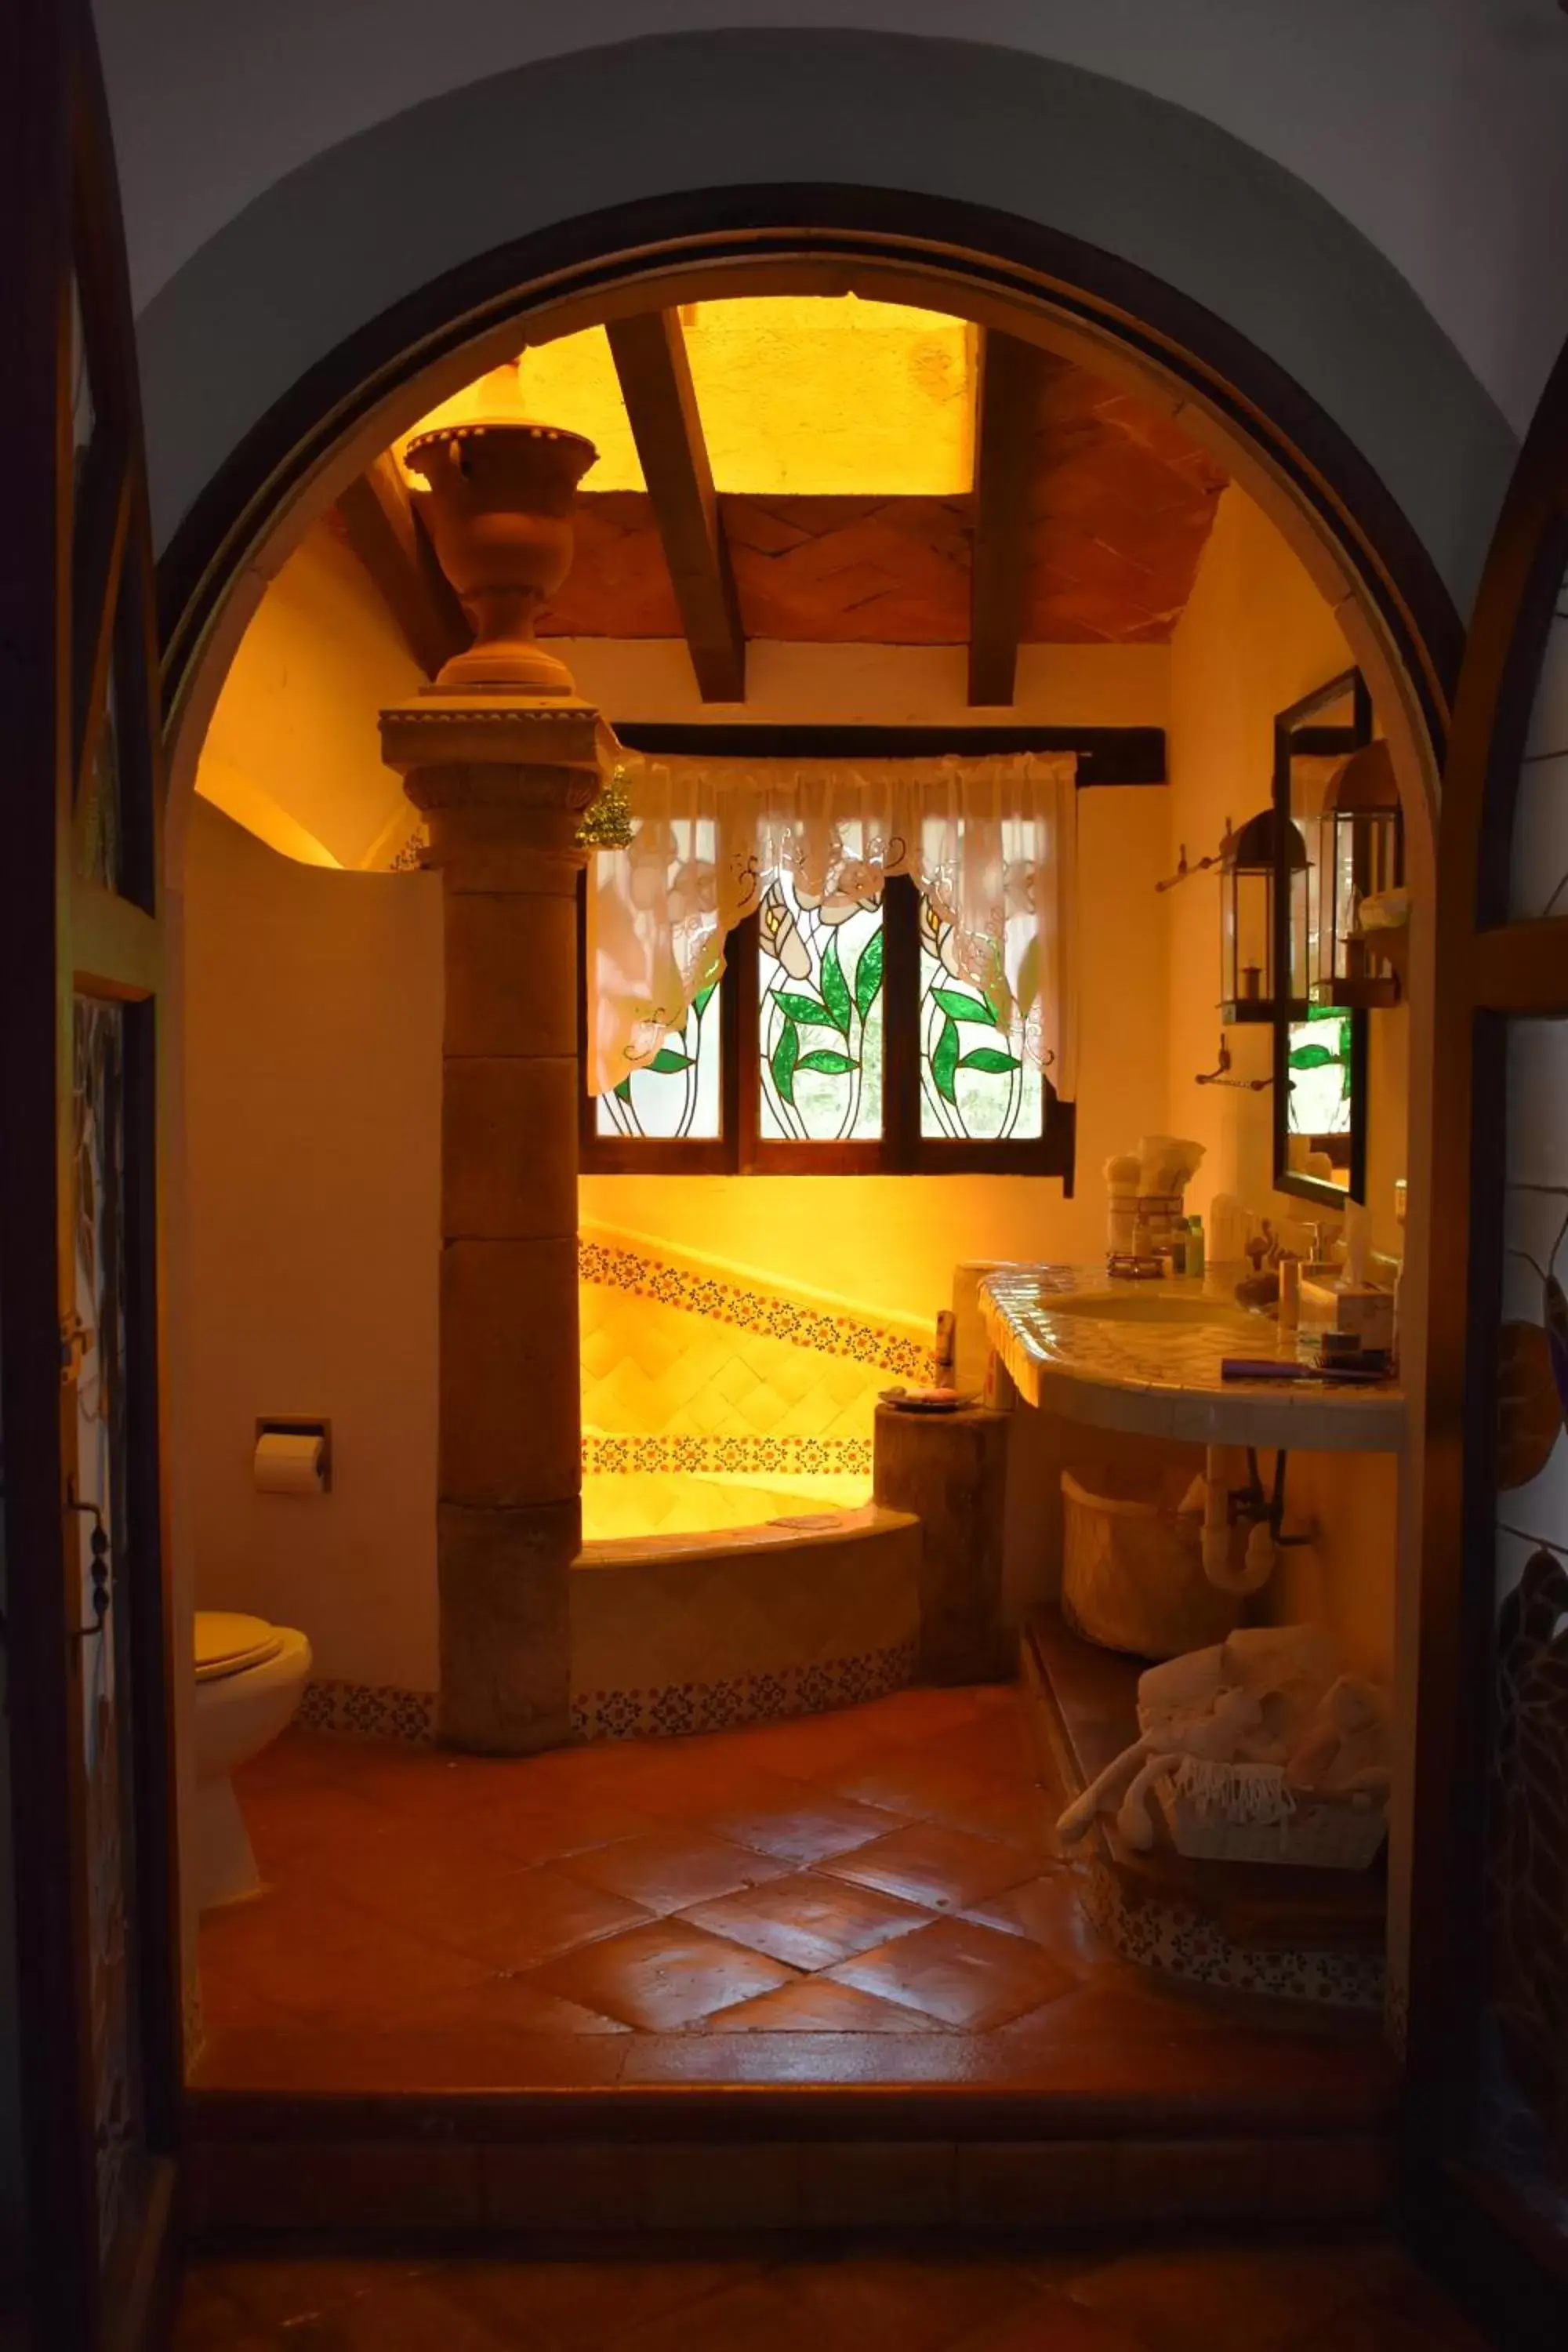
{"points": [[771, 1314], [1180, 1940], [678, 1708], [380, 1711], [743, 1457]]}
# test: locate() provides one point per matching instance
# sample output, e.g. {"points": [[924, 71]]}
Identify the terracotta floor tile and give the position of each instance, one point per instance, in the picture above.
{"points": [[818, 2005], [690, 1781], [671, 1868], [1049, 1910], [661, 1976], [962, 1975], [804, 1826], [511, 2004], [919, 2057], [516, 1919], [1231, 2299], [808, 1921], [563, 1826], [588, 2307], [764, 2314], [907, 1779], [922, 1714], [813, 1747], [914, 2302], [1048, 2323], [930, 1863]]}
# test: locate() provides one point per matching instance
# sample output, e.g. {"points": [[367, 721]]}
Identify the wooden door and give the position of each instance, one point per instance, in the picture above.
{"points": [[87, 1667], [1489, 2024]]}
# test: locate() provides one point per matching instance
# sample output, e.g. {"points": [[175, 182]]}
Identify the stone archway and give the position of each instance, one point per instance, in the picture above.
{"points": [[1299, 468]]}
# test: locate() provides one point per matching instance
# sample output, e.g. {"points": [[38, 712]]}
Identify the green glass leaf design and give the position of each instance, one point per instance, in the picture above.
{"points": [[987, 1059], [944, 1063], [831, 1064], [803, 1008], [624, 1091], [868, 975], [667, 1061], [786, 1053], [1312, 1057], [699, 1002], [834, 989], [964, 1008]]}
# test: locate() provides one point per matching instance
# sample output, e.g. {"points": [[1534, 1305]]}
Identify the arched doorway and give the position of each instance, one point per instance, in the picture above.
{"points": [[1294, 464]]}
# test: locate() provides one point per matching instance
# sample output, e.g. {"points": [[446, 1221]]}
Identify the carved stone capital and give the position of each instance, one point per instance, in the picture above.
{"points": [[452, 733]]}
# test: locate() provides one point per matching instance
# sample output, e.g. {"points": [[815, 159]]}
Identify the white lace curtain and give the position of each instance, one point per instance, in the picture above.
{"points": [[990, 842]]}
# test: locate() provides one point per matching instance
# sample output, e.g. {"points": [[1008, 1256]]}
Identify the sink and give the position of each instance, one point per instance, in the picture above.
{"points": [[1149, 1304]]}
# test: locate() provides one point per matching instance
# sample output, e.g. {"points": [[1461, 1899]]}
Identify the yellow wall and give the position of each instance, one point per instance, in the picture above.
{"points": [[1255, 636], [313, 1062], [293, 752]]}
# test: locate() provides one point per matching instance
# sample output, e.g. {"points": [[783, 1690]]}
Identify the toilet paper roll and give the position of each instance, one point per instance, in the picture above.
{"points": [[290, 1462]]}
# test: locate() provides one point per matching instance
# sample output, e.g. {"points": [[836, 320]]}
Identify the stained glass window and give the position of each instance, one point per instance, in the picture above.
{"points": [[1318, 1060], [977, 1084], [678, 1096], [819, 1011]]}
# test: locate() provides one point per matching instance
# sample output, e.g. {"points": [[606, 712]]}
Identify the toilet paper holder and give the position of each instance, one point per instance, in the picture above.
{"points": [[289, 1424]]}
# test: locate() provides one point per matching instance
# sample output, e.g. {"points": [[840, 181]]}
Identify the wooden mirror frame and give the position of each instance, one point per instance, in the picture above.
{"points": [[1297, 737]]}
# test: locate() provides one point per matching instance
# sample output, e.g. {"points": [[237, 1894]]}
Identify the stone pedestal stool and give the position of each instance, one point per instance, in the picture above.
{"points": [[950, 1469]]}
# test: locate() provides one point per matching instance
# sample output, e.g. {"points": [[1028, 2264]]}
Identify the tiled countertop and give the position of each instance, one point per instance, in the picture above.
{"points": [[1162, 1379]]}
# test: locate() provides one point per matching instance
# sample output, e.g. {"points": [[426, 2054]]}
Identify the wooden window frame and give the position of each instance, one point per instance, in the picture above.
{"points": [[1106, 755]]}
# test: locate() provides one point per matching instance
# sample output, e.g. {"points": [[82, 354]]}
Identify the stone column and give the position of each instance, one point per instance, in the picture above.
{"points": [[503, 781]]}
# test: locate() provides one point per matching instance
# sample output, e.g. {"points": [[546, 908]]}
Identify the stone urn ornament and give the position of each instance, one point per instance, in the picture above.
{"points": [[499, 511]]}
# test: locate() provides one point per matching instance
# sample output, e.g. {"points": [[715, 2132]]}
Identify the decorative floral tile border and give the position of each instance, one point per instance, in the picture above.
{"points": [[671, 1708], [1174, 1937], [770, 1313], [747, 1456], [380, 1711]]}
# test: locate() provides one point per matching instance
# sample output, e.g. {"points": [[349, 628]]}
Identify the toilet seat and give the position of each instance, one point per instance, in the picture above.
{"points": [[228, 1643]]}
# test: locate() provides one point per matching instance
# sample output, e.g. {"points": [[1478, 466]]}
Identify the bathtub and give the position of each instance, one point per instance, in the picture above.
{"points": [[702, 1629], [679, 1502]]}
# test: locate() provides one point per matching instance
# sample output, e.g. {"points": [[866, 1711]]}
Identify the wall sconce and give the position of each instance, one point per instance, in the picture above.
{"points": [[1247, 935], [1360, 853]]}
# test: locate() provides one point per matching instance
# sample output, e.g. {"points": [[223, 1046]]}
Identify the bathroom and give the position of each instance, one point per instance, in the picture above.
{"points": [[737, 1329]]}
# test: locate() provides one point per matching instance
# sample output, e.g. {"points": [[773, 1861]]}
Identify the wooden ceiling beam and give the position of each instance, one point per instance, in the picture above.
{"points": [[381, 526], [1007, 404], [649, 353]]}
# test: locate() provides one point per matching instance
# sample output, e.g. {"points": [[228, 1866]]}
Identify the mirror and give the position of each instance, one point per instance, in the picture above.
{"points": [[1320, 1048]]}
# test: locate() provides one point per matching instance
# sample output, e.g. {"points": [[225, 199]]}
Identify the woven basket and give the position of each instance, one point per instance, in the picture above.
{"points": [[1323, 1833]]}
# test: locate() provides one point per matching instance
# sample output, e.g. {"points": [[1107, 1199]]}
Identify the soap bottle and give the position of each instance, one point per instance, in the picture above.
{"points": [[1196, 1245]]}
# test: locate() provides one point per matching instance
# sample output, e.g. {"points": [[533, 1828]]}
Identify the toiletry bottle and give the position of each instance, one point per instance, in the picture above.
{"points": [[1289, 1293], [1177, 1247], [1196, 1245]]}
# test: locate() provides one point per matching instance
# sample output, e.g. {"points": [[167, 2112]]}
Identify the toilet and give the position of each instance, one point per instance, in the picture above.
{"points": [[250, 1677]]}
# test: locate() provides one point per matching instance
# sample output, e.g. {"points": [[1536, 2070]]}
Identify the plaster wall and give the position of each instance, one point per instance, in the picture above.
{"points": [[1255, 638], [313, 1072], [1433, 126], [293, 752]]}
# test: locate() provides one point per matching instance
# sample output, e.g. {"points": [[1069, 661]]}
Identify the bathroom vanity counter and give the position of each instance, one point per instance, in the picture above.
{"points": [[1145, 1357]]}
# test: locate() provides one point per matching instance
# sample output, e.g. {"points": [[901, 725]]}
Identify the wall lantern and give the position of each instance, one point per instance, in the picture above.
{"points": [[1360, 854], [1247, 949]]}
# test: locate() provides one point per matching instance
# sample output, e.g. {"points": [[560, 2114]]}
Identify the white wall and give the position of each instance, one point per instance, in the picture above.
{"points": [[313, 1074], [1434, 126]]}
